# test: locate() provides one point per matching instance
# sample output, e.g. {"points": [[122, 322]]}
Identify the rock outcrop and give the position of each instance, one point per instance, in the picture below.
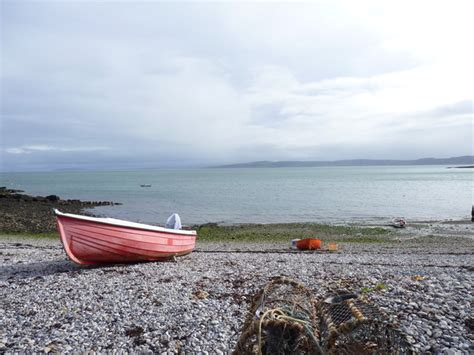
{"points": [[34, 214]]}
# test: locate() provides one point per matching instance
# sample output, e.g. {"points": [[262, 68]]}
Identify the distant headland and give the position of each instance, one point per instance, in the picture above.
{"points": [[462, 160]]}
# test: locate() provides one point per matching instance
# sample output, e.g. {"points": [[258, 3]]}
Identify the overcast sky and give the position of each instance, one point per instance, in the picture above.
{"points": [[104, 84]]}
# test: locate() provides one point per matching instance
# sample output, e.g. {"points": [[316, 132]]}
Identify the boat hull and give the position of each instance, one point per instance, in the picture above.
{"points": [[90, 242], [398, 223]]}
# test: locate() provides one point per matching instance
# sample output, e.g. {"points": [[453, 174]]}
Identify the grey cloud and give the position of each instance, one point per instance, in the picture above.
{"points": [[465, 107], [167, 84]]}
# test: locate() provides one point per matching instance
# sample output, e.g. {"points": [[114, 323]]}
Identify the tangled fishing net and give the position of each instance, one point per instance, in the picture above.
{"points": [[285, 318]]}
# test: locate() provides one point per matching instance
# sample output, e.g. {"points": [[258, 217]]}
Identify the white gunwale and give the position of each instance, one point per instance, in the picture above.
{"points": [[122, 223]]}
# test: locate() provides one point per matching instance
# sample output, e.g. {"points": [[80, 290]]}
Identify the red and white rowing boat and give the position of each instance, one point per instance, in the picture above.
{"points": [[90, 240]]}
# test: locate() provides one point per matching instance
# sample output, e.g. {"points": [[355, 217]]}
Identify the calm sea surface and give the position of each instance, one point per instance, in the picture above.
{"points": [[325, 194]]}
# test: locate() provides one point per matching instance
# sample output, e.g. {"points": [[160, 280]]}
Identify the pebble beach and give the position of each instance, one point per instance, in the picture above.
{"points": [[197, 304]]}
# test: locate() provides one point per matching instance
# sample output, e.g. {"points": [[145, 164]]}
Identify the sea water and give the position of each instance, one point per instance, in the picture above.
{"points": [[265, 195]]}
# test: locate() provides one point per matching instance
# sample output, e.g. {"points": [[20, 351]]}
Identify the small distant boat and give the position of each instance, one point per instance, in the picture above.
{"points": [[399, 222], [145, 185], [90, 240], [309, 244]]}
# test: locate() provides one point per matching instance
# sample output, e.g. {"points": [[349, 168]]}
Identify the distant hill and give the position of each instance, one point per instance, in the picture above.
{"points": [[467, 159]]}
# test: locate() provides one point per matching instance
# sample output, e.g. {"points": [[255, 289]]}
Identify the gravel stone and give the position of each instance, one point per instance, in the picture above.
{"points": [[48, 304]]}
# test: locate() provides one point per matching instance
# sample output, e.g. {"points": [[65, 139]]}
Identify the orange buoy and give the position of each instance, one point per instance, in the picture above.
{"points": [[309, 244]]}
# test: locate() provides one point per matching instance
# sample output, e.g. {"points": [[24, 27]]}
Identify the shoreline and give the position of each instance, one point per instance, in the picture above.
{"points": [[22, 213], [285, 232]]}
